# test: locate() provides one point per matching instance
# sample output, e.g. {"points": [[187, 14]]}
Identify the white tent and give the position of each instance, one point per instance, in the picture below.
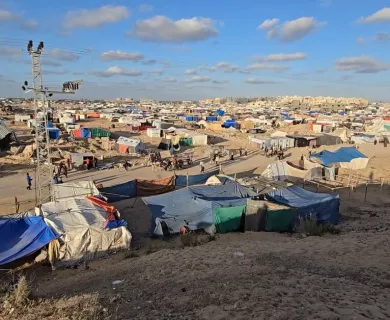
{"points": [[76, 190], [80, 224], [135, 146], [281, 171]]}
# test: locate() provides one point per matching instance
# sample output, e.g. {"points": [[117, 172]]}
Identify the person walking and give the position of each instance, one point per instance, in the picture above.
{"points": [[29, 179]]}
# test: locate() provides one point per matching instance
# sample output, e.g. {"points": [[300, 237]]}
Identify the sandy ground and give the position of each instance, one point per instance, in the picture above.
{"points": [[279, 276]]}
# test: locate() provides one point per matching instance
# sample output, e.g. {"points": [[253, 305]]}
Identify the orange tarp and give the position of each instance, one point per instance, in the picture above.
{"points": [[154, 187]]}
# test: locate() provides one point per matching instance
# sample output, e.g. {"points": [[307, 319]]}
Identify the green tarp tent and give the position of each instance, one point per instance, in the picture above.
{"points": [[99, 133], [186, 142], [279, 218], [228, 219]]}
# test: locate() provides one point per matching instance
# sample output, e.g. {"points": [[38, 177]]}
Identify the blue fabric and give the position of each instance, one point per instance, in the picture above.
{"points": [[220, 112], [324, 206], [86, 133], [181, 181], [113, 224], [22, 237], [120, 192], [193, 206], [54, 133], [211, 118], [344, 154]]}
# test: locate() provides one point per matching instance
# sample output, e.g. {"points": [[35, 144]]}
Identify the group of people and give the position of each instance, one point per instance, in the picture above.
{"points": [[273, 151]]}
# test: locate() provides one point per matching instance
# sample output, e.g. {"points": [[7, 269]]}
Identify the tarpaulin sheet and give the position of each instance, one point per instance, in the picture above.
{"points": [[77, 190], [344, 154], [21, 237], [228, 219], [181, 180], [193, 206], [54, 133], [99, 133], [154, 187], [81, 223], [77, 133], [280, 219], [120, 192], [324, 206], [85, 133]]}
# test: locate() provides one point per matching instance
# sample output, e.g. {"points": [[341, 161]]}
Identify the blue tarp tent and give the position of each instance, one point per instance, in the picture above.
{"points": [[220, 112], [324, 206], [86, 133], [22, 237], [54, 133], [120, 192], [181, 180], [193, 206], [344, 154], [211, 118]]}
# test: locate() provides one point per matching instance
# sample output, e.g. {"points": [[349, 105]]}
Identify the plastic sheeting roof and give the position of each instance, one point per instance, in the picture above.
{"points": [[4, 130], [325, 206], [344, 154], [193, 206], [76, 190], [21, 237]]}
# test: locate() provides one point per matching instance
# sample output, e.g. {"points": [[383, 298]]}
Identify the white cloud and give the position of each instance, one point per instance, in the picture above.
{"points": [[162, 29], [190, 72], [56, 71], [294, 30], [230, 69], [258, 81], [149, 62], [171, 80], [145, 8], [6, 16], [198, 79], [95, 17], [382, 37], [222, 66], [360, 40], [361, 64], [265, 66], [23, 23], [116, 71], [282, 57], [9, 52], [220, 81], [120, 55], [382, 15], [268, 24], [51, 63], [29, 25], [157, 71], [61, 54]]}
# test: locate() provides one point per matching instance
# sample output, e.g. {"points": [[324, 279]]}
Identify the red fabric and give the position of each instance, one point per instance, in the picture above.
{"points": [[386, 118], [77, 133], [144, 128], [122, 148]]}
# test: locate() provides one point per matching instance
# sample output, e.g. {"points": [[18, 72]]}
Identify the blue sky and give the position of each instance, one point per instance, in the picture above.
{"points": [[195, 49]]}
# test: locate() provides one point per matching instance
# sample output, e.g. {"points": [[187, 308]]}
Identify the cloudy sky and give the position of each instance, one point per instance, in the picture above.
{"points": [[174, 49]]}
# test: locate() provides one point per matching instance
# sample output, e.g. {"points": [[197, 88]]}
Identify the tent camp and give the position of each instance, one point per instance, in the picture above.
{"points": [[194, 206], [80, 223], [324, 206], [75, 190], [345, 157], [127, 145], [22, 237]]}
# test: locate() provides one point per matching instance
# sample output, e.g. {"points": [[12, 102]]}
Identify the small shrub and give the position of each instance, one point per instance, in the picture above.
{"points": [[310, 227], [20, 293]]}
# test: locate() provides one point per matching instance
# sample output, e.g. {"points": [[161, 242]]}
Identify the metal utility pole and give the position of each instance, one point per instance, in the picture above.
{"points": [[44, 167]]}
